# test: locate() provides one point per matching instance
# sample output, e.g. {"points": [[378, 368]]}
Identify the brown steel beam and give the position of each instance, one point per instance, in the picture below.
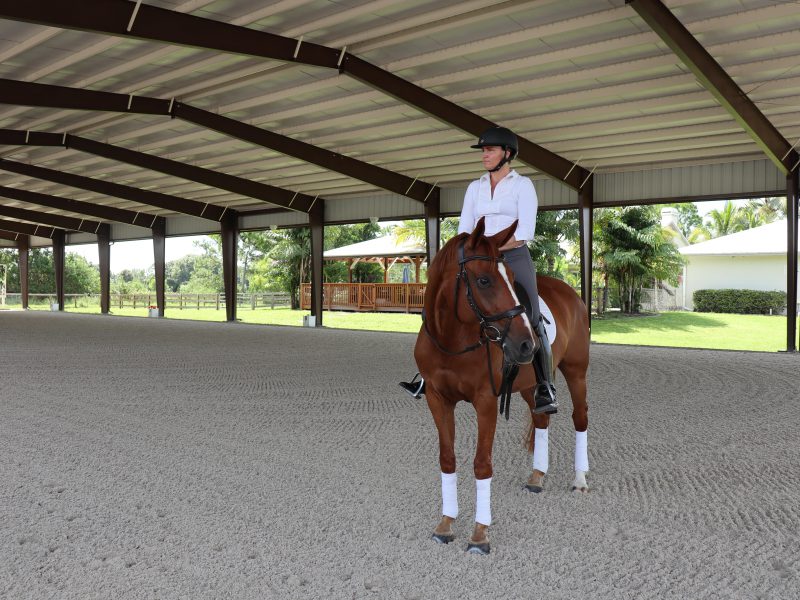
{"points": [[34, 216], [316, 221], [215, 179], [432, 229], [24, 93], [23, 251], [792, 199], [714, 78], [230, 247], [152, 23], [104, 257], [28, 229], [109, 213], [11, 237], [59, 253], [211, 212], [339, 163], [585, 225], [159, 263]]}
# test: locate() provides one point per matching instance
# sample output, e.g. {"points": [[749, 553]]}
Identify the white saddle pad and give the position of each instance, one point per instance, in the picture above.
{"points": [[549, 320]]}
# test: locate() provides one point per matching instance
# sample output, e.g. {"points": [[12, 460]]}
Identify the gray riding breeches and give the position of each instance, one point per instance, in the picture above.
{"points": [[519, 261]]}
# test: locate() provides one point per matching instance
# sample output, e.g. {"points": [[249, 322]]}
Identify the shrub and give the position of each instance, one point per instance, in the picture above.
{"points": [[743, 302]]}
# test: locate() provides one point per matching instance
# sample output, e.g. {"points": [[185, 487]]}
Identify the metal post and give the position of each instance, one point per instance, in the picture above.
{"points": [[59, 242], [586, 222], [230, 246], [104, 255], [159, 259], [23, 251], [791, 260], [316, 220], [432, 226]]}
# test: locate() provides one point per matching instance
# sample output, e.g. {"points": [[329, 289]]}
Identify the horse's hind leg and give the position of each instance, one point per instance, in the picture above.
{"points": [[576, 381], [444, 417], [538, 444]]}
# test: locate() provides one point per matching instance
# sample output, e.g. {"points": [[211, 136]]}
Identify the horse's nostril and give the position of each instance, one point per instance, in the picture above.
{"points": [[526, 348]]}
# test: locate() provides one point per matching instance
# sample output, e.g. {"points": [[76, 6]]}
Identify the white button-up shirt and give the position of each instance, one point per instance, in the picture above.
{"points": [[514, 199]]}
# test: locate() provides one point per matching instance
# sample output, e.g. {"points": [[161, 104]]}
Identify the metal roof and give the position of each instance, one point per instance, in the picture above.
{"points": [[586, 79], [387, 246]]}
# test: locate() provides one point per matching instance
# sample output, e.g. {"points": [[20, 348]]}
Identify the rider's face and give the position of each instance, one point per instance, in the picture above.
{"points": [[491, 156]]}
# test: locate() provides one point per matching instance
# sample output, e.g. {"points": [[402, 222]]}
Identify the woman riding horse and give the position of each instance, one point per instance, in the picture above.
{"points": [[503, 196]]}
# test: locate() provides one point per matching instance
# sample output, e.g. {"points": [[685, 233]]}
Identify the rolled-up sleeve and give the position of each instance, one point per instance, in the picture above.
{"points": [[527, 205], [466, 223]]}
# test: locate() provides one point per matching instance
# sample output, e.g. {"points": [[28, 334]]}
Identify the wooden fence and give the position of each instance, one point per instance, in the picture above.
{"points": [[376, 297], [173, 301]]}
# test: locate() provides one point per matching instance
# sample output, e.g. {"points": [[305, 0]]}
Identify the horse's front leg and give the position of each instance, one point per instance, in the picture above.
{"points": [[486, 407], [443, 413], [538, 444]]}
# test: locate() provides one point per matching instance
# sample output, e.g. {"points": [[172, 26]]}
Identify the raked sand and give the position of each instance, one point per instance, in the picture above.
{"points": [[144, 458]]}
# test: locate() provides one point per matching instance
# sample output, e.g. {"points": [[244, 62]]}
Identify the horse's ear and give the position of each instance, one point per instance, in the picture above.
{"points": [[502, 237], [476, 234]]}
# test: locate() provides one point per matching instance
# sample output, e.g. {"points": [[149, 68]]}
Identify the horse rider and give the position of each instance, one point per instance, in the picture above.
{"points": [[503, 196]]}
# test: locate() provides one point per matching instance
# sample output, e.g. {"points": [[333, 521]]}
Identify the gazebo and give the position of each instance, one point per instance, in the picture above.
{"points": [[391, 297]]}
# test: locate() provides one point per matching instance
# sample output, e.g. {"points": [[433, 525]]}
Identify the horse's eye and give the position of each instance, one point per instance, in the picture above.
{"points": [[484, 281]]}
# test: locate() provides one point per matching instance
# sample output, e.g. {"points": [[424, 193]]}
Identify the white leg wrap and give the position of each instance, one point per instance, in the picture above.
{"points": [[483, 509], [541, 457], [449, 495], [581, 451]]}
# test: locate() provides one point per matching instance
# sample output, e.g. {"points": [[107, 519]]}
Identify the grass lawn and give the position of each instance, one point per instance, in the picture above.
{"points": [[679, 329], [694, 330]]}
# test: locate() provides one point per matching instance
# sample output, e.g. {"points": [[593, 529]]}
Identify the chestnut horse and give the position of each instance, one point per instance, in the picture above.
{"points": [[472, 319]]}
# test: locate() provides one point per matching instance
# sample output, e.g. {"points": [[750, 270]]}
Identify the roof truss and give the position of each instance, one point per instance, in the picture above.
{"points": [[62, 221], [108, 213], [54, 96], [717, 81], [133, 19]]}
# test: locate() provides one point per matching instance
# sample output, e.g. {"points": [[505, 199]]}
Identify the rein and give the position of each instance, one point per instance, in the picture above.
{"points": [[488, 331]]}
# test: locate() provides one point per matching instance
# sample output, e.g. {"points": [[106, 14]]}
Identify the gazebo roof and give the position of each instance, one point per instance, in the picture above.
{"points": [[382, 247]]}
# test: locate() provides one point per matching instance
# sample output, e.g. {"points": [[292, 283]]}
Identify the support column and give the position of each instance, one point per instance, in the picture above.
{"points": [[791, 259], [230, 248], [586, 222], [432, 226], [159, 250], [316, 220], [104, 254], [59, 246], [23, 251]]}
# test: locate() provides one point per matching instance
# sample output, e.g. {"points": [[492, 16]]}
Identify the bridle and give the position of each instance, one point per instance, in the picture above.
{"points": [[489, 331]]}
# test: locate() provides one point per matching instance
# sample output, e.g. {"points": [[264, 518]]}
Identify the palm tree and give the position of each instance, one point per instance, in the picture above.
{"points": [[723, 222], [415, 230]]}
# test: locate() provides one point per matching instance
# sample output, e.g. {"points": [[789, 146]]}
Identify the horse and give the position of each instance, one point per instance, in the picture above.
{"points": [[472, 320]]}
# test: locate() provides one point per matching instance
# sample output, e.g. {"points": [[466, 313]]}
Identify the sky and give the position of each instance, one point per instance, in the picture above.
{"points": [[139, 254]]}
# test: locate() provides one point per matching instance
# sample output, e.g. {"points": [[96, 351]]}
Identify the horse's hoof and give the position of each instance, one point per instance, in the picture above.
{"points": [[440, 538], [535, 489], [480, 549], [584, 490]]}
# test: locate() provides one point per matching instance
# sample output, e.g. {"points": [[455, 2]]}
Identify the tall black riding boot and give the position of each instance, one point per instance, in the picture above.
{"points": [[545, 393], [415, 388]]}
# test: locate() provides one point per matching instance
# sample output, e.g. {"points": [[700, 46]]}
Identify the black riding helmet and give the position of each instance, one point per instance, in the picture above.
{"points": [[499, 136]]}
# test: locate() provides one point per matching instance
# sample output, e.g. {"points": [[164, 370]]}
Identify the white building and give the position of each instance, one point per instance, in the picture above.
{"points": [[754, 259]]}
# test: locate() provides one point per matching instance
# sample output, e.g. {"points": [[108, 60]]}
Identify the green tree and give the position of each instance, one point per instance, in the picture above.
{"points": [[414, 229], [633, 250], [553, 228], [718, 223], [688, 216]]}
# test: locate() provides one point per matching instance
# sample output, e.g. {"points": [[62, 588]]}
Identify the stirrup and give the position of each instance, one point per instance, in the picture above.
{"points": [[413, 388]]}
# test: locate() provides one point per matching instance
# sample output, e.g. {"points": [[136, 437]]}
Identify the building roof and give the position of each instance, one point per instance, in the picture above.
{"points": [[586, 79], [382, 247], [767, 239]]}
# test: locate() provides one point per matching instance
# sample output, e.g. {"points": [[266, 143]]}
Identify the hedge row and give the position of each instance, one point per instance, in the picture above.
{"points": [[743, 302]]}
